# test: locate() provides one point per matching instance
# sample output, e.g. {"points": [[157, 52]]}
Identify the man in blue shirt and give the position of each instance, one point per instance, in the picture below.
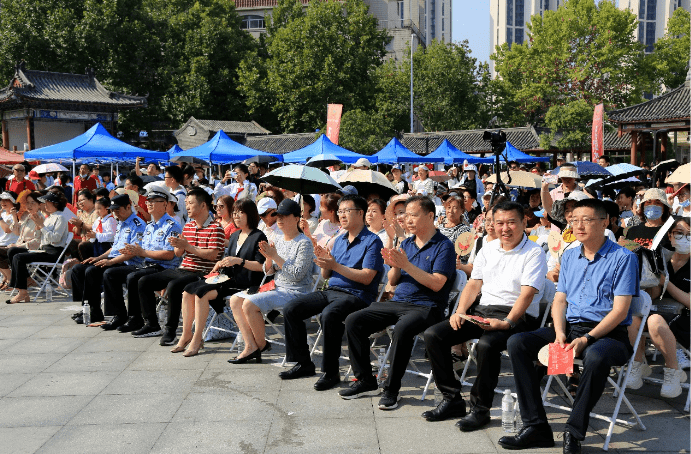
{"points": [[87, 277], [423, 271], [353, 268], [157, 254], [591, 312]]}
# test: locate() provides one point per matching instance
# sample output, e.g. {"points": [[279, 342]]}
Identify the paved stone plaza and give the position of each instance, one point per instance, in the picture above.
{"points": [[67, 388]]}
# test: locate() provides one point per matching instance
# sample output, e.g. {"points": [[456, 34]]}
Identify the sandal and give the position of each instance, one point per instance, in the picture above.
{"points": [[15, 300]]}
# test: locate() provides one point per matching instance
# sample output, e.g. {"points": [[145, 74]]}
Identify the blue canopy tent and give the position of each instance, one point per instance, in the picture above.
{"points": [[324, 146], [453, 155], [514, 154], [221, 149], [395, 153]]}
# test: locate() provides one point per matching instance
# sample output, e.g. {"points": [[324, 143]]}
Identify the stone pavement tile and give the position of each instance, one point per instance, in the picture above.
{"points": [[153, 382], [10, 382], [6, 344], [67, 331], [27, 440], [414, 435], [259, 378], [129, 409], [65, 384], [323, 405], [214, 437], [19, 332], [94, 362], [290, 434], [199, 407], [33, 346], [410, 405], [40, 411], [32, 320], [28, 363], [104, 439], [164, 360], [115, 342]]}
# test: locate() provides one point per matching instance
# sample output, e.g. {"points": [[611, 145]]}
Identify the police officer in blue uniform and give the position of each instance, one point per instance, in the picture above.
{"points": [[92, 269], [157, 255]]}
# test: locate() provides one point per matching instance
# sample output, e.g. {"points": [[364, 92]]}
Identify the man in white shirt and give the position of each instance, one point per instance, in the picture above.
{"points": [[513, 268]]}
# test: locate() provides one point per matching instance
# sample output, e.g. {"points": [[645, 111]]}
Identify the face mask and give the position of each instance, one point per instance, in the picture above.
{"points": [[682, 246], [685, 203], [653, 212]]}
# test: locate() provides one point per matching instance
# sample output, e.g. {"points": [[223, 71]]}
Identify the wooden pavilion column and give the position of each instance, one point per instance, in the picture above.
{"points": [[634, 147], [663, 147], [5, 136], [30, 132]]}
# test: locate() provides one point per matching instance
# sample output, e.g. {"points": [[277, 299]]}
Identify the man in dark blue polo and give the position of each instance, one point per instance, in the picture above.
{"points": [[423, 271], [591, 314], [354, 268]]}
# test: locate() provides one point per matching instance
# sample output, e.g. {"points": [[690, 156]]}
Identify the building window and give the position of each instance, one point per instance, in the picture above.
{"points": [[520, 8], [641, 10], [652, 7], [649, 36], [509, 12], [509, 36], [399, 12], [518, 39], [252, 23]]}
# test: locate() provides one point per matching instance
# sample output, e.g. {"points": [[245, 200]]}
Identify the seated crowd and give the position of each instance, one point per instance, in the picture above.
{"points": [[258, 248]]}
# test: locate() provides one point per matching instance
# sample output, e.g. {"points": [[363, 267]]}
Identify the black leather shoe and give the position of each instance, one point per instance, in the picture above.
{"points": [[446, 409], [255, 355], [477, 419], [539, 436], [571, 444], [327, 381], [132, 324], [114, 323], [79, 320], [298, 371]]}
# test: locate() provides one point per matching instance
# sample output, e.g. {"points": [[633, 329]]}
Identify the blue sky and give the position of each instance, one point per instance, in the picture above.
{"points": [[471, 21]]}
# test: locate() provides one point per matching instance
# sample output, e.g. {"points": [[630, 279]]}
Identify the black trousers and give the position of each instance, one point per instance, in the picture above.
{"points": [[441, 337], [174, 281], [335, 306], [87, 280], [598, 358], [19, 258], [410, 320], [114, 279]]}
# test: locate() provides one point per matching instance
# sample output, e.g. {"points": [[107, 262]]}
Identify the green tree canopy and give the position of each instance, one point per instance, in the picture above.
{"points": [[671, 55], [325, 55]]}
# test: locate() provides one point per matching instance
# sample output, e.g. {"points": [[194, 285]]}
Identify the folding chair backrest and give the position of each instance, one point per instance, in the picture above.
{"points": [[316, 274], [383, 280], [70, 236], [548, 297], [459, 284]]}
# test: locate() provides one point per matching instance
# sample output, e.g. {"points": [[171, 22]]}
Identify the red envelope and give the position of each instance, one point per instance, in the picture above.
{"points": [[267, 287], [560, 360]]}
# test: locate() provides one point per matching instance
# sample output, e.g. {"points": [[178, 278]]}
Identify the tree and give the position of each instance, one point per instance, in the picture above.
{"points": [[581, 52], [364, 132], [572, 122], [671, 54], [326, 55]]}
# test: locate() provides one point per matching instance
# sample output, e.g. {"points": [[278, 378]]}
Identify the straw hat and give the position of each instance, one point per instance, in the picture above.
{"points": [[655, 194]]}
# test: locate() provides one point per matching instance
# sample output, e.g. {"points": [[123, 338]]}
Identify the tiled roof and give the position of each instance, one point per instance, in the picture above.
{"points": [[470, 141], [37, 87], [670, 106], [280, 143], [233, 127]]}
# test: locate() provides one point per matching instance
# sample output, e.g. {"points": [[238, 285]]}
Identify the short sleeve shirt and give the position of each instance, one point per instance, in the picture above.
{"points": [[208, 236], [364, 252], [128, 232], [156, 237], [590, 286], [436, 256]]}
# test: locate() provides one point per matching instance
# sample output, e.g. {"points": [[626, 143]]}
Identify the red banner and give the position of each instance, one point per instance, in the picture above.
{"points": [[333, 122], [598, 134]]}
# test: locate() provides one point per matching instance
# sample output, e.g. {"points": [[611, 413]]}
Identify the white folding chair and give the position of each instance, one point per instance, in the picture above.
{"points": [[458, 285], [42, 272], [619, 388]]}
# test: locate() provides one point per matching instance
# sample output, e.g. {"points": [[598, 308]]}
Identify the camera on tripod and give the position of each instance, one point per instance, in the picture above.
{"points": [[497, 140]]}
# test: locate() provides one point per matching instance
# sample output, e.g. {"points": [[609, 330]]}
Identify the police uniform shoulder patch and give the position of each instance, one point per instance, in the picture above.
{"points": [[170, 222], [137, 221]]}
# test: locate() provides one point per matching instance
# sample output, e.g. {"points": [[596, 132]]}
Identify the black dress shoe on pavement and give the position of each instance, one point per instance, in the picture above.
{"points": [[298, 371], [539, 436], [79, 320], [446, 409], [131, 325], [114, 323], [477, 419], [571, 444], [169, 336], [327, 381]]}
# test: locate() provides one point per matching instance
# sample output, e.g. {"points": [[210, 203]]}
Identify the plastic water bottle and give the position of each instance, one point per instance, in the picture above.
{"points": [[381, 361], [508, 411], [49, 293], [86, 314], [518, 421]]}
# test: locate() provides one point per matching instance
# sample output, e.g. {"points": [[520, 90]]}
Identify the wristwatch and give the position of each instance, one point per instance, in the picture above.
{"points": [[511, 323], [591, 340], [242, 264]]}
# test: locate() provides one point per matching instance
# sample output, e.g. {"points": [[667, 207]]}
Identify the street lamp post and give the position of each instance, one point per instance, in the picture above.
{"points": [[412, 42]]}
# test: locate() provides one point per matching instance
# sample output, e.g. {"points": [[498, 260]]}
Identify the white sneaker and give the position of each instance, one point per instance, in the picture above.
{"points": [[638, 371], [671, 387], [683, 360]]}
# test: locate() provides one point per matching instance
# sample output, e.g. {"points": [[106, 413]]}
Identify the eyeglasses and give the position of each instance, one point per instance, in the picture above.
{"points": [[680, 235], [347, 211], [219, 206], [585, 221]]}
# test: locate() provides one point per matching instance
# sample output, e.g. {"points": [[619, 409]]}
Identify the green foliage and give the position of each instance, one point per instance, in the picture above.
{"points": [[581, 52], [671, 54], [326, 55], [574, 123], [364, 132]]}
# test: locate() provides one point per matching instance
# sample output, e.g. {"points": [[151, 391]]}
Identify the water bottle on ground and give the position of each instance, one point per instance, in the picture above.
{"points": [[86, 314], [49, 293], [381, 361], [508, 411], [517, 419]]}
